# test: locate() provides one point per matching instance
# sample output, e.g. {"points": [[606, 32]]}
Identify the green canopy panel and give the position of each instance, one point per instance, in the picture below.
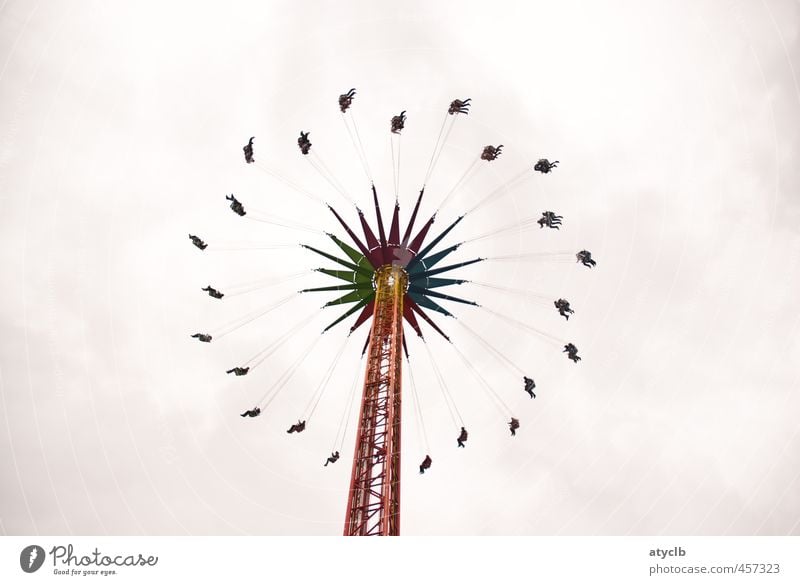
{"points": [[349, 276], [344, 263], [353, 254], [352, 310], [354, 286], [352, 297]]}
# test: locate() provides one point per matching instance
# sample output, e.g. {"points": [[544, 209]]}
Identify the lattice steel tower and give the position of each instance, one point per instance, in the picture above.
{"points": [[373, 504]]}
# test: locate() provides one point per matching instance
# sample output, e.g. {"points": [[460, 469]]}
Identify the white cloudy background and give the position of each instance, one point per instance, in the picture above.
{"points": [[677, 127]]}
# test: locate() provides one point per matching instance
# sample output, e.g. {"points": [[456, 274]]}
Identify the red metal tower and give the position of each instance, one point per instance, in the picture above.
{"points": [[390, 279], [373, 504]]}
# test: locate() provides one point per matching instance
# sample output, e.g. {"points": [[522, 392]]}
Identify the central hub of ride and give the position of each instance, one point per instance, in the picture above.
{"points": [[389, 275]]}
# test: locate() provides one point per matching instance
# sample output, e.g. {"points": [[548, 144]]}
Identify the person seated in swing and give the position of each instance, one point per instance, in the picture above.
{"points": [[212, 292], [550, 220], [236, 205], [462, 437], [248, 151], [513, 425], [491, 152], [529, 386], [238, 371], [204, 337], [198, 242], [459, 107], [252, 413], [545, 166], [346, 100], [298, 427], [332, 459], [303, 142], [585, 258], [426, 464], [398, 122], [563, 308], [572, 352]]}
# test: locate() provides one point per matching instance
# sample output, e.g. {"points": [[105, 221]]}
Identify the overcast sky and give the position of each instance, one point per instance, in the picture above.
{"points": [[677, 126]]}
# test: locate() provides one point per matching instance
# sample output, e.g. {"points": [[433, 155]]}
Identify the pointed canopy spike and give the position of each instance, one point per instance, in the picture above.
{"points": [[450, 267], [435, 241], [381, 232], [353, 236], [347, 275], [436, 282], [424, 301], [369, 309], [417, 241], [351, 297], [350, 265], [375, 253], [408, 315], [407, 235], [352, 286], [438, 295], [347, 314], [394, 231], [414, 270], [353, 254], [382, 253], [422, 314]]}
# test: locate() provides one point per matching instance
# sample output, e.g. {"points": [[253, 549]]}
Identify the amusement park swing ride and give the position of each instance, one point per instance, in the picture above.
{"points": [[394, 278]]}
